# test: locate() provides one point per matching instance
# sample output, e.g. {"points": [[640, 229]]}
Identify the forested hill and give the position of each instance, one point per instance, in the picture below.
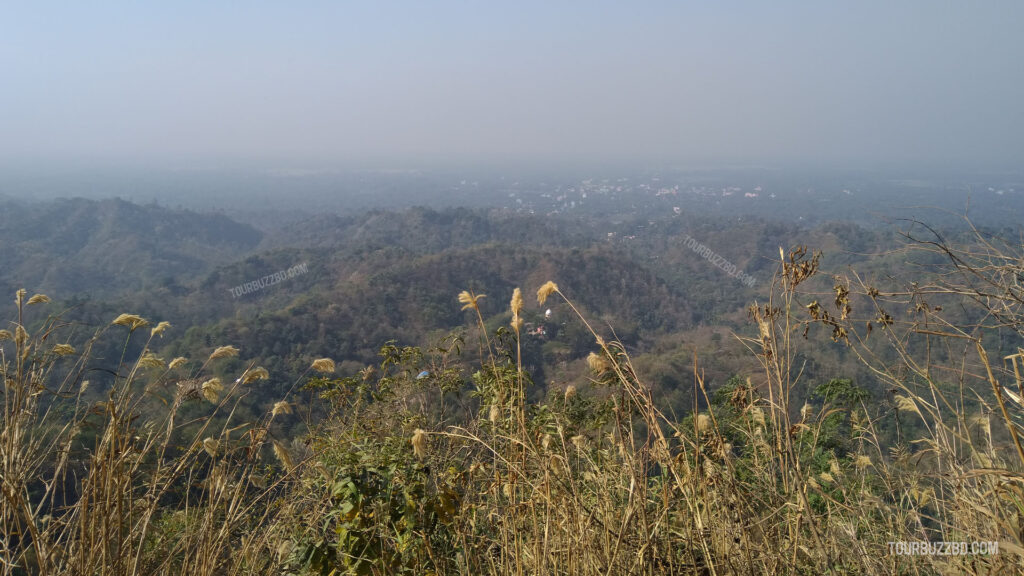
{"points": [[112, 247], [395, 276], [348, 307]]}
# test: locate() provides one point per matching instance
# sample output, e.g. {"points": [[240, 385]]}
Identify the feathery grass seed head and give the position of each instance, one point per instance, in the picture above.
{"points": [[598, 363], [905, 404], [224, 352], [212, 389], [257, 373], [63, 349], [546, 290], [177, 363], [282, 455], [324, 365], [158, 330], [131, 321], [985, 424], [516, 305], [757, 415], [150, 360], [703, 423], [211, 446], [281, 407], [419, 443], [38, 299], [725, 450], [470, 300]]}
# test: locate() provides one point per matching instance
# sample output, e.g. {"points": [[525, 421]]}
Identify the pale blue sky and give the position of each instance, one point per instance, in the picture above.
{"points": [[327, 83]]}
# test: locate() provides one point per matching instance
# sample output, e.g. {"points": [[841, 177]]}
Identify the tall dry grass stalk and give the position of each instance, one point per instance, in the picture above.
{"points": [[747, 486], [118, 481]]}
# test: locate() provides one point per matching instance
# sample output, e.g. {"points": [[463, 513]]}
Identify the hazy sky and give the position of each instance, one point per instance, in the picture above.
{"points": [[319, 83]]}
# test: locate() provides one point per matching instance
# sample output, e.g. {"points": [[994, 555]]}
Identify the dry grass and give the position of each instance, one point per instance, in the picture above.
{"points": [[119, 484], [458, 473]]}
